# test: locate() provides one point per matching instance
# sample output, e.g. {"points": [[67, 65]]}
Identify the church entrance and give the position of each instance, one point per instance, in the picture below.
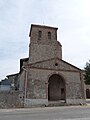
{"points": [[56, 88]]}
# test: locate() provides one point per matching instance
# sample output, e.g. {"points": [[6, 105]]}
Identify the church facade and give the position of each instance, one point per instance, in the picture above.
{"points": [[45, 77]]}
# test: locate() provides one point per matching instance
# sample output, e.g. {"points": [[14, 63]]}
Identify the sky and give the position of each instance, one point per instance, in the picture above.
{"points": [[72, 17]]}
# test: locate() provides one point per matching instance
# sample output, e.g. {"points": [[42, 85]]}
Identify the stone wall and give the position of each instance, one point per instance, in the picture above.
{"points": [[44, 37], [10, 100], [38, 86], [48, 51], [22, 79], [44, 48]]}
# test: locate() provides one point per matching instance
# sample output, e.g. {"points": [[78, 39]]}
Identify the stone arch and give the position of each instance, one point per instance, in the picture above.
{"points": [[56, 88]]}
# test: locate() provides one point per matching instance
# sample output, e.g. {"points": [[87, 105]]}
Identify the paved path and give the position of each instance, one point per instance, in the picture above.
{"points": [[47, 113]]}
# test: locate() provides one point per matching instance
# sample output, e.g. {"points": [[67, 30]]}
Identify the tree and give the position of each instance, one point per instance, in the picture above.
{"points": [[87, 73]]}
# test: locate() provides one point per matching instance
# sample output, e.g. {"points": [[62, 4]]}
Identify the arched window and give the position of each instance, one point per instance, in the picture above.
{"points": [[39, 34], [49, 35]]}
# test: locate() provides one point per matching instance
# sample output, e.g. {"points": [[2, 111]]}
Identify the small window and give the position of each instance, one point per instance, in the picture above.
{"points": [[56, 64], [39, 34], [49, 35]]}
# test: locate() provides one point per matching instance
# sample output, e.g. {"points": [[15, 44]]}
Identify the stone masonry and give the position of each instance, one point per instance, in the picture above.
{"points": [[45, 77]]}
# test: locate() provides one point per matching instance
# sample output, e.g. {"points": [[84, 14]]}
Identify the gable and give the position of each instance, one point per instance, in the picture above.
{"points": [[55, 64]]}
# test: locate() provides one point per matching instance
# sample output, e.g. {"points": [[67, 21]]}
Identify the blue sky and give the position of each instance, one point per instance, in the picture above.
{"points": [[72, 17]]}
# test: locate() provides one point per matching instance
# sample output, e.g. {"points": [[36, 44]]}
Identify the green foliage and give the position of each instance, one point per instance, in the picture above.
{"points": [[87, 73]]}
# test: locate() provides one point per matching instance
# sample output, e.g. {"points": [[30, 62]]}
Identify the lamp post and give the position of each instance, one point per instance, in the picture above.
{"points": [[25, 88]]}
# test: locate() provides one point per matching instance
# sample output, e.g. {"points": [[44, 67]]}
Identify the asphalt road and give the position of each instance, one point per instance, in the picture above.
{"points": [[47, 113]]}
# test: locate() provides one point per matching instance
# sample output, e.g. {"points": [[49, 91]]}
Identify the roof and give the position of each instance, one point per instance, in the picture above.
{"points": [[23, 60], [42, 26], [12, 75]]}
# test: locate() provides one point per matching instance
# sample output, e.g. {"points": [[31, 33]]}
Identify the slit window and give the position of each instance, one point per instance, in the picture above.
{"points": [[49, 35], [39, 34]]}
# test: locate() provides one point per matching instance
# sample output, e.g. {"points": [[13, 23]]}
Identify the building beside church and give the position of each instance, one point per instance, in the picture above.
{"points": [[45, 77]]}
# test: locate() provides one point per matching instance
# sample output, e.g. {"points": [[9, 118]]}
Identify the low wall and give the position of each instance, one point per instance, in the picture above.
{"points": [[36, 102], [10, 99], [75, 101]]}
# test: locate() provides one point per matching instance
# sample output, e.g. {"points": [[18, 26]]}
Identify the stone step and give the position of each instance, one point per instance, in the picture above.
{"points": [[56, 103]]}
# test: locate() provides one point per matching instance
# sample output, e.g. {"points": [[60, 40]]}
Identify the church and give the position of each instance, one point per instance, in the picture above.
{"points": [[45, 78]]}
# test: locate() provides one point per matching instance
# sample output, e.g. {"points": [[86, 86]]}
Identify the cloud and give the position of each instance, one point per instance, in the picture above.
{"points": [[71, 17]]}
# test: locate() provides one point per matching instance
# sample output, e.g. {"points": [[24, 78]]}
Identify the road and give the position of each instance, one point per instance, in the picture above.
{"points": [[47, 113]]}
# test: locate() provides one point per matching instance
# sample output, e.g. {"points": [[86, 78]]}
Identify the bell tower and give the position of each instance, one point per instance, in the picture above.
{"points": [[43, 43]]}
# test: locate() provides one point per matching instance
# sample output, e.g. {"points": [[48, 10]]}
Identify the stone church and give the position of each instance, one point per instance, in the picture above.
{"points": [[45, 78]]}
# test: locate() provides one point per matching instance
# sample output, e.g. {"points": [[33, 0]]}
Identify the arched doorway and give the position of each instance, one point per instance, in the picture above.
{"points": [[56, 88]]}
